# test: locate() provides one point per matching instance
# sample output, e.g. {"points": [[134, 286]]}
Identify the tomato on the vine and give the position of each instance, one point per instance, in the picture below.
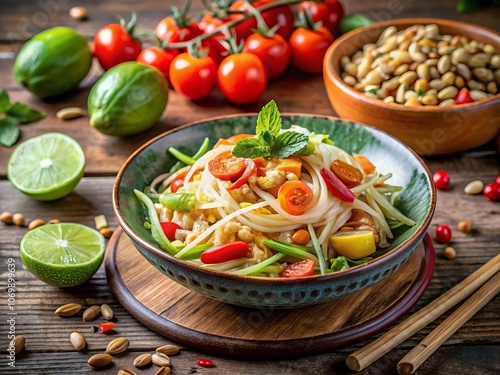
{"points": [[242, 77], [194, 77], [308, 48], [273, 51], [329, 12], [159, 58], [208, 23], [178, 27], [114, 44]]}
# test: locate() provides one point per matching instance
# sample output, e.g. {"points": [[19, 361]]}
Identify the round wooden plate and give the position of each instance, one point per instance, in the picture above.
{"points": [[195, 320]]}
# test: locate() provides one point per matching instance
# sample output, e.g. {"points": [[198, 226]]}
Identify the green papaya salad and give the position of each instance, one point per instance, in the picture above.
{"points": [[278, 203]]}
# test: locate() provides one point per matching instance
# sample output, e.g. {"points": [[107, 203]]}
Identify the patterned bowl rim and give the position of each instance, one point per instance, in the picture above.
{"points": [[341, 275]]}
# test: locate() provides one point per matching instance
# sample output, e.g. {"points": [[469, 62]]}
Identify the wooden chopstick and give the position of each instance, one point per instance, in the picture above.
{"points": [[363, 357], [449, 326]]}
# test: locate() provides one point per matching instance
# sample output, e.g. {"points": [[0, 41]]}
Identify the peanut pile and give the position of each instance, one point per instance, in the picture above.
{"points": [[419, 66]]}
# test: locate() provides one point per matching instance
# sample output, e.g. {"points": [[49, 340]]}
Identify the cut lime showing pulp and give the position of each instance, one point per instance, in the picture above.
{"points": [[46, 167], [63, 255]]}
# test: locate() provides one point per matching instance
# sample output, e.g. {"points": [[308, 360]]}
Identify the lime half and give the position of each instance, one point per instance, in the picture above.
{"points": [[66, 254], [47, 167]]}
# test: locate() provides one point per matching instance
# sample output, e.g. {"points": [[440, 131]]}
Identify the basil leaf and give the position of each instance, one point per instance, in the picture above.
{"points": [[269, 119], [9, 132], [4, 101], [288, 143], [24, 114], [251, 148]]}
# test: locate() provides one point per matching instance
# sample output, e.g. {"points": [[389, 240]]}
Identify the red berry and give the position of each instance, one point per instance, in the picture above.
{"points": [[205, 362], [492, 191], [441, 179], [443, 233]]}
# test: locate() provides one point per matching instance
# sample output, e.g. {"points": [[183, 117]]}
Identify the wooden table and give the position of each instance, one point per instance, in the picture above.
{"points": [[475, 348]]}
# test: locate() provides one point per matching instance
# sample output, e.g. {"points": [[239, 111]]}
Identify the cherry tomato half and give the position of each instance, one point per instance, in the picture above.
{"points": [[273, 52], [441, 179], [329, 12], [337, 187], [225, 252], [299, 269], [348, 174], [105, 327], [193, 77], [169, 228], [242, 77], [177, 31], [309, 47], [443, 233], [159, 58], [113, 45], [227, 167], [492, 192], [294, 197]]}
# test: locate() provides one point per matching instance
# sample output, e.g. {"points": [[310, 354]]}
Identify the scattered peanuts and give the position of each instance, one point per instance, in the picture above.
{"points": [[474, 187], [18, 219], [6, 218], [54, 221], [69, 113], [78, 13], [449, 252], [464, 226], [419, 58], [36, 223], [106, 232]]}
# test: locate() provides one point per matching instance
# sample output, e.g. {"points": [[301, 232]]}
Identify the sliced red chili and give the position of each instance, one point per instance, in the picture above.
{"points": [[169, 228], [249, 170], [225, 252], [336, 187], [105, 327], [205, 362]]}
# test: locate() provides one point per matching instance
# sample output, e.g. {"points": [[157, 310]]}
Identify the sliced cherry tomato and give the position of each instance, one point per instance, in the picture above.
{"points": [[159, 58], [113, 45], [294, 197], [272, 51], [105, 327], [169, 228], [492, 192], [232, 140], [463, 97], [365, 163], [309, 47], [441, 179], [299, 269], [336, 187], [227, 167], [193, 77], [242, 77], [349, 175], [177, 29], [250, 170], [329, 12], [225, 252]]}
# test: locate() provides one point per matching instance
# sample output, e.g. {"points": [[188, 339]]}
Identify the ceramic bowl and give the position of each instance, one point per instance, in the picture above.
{"points": [[429, 130], [390, 155]]}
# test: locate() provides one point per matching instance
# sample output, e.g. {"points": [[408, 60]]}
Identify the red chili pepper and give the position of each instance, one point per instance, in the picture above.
{"points": [[169, 228], [225, 252], [105, 327], [250, 169], [336, 187], [205, 362], [443, 233], [463, 97], [441, 179], [492, 191]]}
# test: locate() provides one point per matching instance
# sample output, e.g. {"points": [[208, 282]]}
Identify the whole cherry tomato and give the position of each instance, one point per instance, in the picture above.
{"points": [[177, 29], [294, 196], [299, 269], [194, 77], [159, 58], [113, 44], [441, 179], [492, 192], [443, 233], [272, 51], [308, 48], [329, 12], [497, 180], [208, 24], [242, 77]]}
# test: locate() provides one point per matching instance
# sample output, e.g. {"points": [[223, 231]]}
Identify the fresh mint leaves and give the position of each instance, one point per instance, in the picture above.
{"points": [[270, 141], [12, 115]]}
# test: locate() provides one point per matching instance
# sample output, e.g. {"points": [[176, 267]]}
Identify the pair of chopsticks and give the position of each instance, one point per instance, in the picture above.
{"points": [[487, 278]]}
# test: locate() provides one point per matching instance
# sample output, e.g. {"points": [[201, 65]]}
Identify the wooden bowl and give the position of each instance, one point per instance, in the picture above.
{"points": [[429, 130], [417, 200]]}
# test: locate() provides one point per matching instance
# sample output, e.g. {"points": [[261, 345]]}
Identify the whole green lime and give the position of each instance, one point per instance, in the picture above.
{"points": [[53, 62], [63, 255], [127, 99]]}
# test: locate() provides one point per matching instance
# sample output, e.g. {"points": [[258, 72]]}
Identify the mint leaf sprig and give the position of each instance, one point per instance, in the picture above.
{"points": [[12, 114], [270, 142]]}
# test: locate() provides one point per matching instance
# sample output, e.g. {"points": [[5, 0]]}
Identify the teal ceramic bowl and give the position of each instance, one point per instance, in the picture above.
{"points": [[388, 154]]}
